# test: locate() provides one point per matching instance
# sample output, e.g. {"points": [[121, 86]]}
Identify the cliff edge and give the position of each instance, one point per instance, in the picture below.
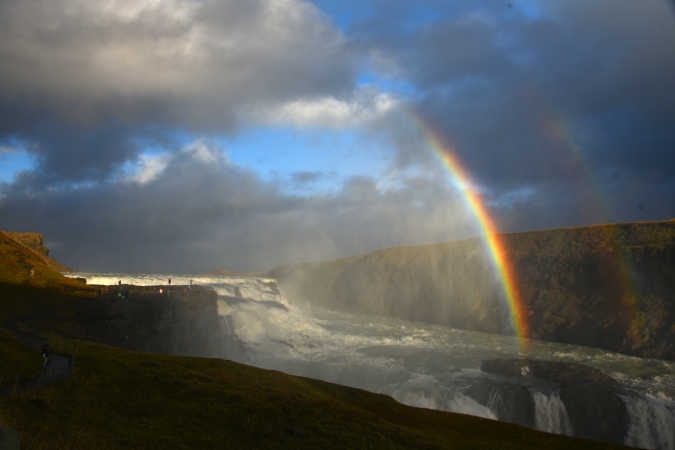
{"points": [[607, 286], [35, 242]]}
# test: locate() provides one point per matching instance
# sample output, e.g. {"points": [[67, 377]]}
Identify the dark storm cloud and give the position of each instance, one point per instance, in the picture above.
{"points": [[306, 177], [562, 114], [201, 213], [82, 81], [579, 97]]}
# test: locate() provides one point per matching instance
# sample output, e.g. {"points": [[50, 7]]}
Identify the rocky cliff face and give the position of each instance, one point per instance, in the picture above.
{"points": [[21, 264], [608, 286], [35, 242], [184, 322]]}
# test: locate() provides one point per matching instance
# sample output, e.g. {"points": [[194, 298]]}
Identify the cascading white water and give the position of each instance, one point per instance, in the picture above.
{"points": [[425, 391], [418, 364], [466, 405], [652, 422], [550, 413]]}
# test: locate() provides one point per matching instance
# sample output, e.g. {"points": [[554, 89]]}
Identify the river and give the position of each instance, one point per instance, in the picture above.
{"points": [[418, 364]]}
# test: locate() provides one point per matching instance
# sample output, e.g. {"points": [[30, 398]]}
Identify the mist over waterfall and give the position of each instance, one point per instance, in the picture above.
{"points": [[434, 366]]}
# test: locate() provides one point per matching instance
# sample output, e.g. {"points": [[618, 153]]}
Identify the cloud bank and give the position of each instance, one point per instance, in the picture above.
{"points": [[561, 112]]}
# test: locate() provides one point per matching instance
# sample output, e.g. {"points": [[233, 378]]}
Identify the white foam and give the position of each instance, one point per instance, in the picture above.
{"points": [[652, 423], [551, 414], [466, 405]]}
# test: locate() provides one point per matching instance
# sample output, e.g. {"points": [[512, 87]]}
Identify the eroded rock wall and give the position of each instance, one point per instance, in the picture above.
{"points": [[609, 286], [184, 322]]}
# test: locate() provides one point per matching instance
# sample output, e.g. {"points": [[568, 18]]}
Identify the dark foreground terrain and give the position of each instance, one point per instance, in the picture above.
{"points": [[110, 397]]}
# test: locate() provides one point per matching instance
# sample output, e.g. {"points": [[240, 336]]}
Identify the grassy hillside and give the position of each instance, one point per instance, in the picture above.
{"points": [[17, 259], [117, 398], [35, 242], [608, 286]]}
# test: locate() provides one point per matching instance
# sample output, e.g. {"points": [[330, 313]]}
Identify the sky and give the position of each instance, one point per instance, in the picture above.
{"points": [[194, 135]]}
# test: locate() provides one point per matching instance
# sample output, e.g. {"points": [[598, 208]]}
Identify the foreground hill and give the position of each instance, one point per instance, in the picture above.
{"points": [[607, 286], [118, 398]]}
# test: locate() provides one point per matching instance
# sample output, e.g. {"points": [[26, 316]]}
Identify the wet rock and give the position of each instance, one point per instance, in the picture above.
{"points": [[510, 402], [591, 398], [596, 411], [181, 321]]}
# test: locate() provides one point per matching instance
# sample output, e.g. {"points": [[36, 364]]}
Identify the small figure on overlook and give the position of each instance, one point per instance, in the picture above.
{"points": [[45, 355], [120, 290]]}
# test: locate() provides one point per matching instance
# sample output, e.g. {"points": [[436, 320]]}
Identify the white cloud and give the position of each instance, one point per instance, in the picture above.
{"points": [[151, 167], [202, 151], [366, 106], [195, 61]]}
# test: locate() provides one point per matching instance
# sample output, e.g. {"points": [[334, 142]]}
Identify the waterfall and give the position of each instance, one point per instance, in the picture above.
{"points": [[466, 405], [423, 365], [652, 423], [551, 414]]}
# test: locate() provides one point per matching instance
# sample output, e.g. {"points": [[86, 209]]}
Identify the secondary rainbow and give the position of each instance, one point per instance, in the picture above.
{"points": [[506, 271]]}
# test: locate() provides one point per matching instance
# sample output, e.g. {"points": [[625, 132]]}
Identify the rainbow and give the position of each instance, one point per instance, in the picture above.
{"points": [[560, 132], [447, 154]]}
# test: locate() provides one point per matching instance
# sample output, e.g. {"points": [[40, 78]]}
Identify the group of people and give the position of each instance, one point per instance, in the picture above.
{"points": [[122, 293], [168, 288]]}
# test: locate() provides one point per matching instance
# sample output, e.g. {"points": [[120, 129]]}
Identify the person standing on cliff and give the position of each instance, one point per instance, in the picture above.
{"points": [[44, 351]]}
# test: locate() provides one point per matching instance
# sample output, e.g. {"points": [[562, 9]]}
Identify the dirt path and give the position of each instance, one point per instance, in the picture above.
{"points": [[58, 366], [9, 439]]}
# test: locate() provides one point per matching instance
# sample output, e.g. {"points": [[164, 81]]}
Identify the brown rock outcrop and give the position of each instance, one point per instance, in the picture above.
{"points": [[35, 242]]}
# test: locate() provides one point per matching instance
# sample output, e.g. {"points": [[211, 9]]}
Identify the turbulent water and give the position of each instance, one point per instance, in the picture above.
{"points": [[416, 363]]}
